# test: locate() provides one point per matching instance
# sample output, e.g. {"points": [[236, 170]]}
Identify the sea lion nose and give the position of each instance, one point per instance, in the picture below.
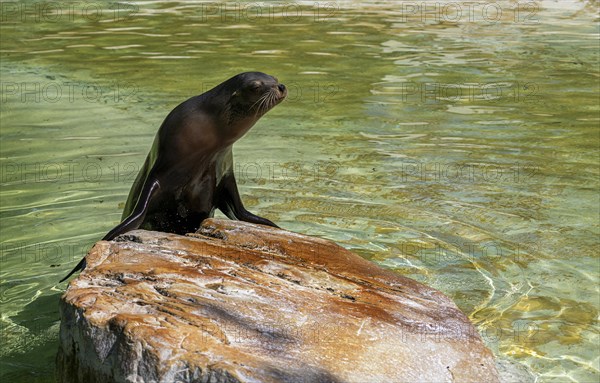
{"points": [[281, 87]]}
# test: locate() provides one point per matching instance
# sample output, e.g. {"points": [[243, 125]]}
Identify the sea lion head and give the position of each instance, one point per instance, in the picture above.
{"points": [[255, 93]]}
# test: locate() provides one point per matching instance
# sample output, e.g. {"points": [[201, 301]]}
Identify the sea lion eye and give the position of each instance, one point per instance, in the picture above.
{"points": [[255, 85]]}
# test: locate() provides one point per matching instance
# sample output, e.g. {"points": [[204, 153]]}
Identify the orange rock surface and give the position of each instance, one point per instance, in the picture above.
{"points": [[238, 302]]}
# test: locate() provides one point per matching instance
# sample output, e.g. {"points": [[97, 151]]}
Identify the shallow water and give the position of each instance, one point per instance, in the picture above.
{"points": [[455, 146]]}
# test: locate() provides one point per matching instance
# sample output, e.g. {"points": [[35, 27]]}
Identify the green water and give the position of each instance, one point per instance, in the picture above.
{"points": [[454, 143]]}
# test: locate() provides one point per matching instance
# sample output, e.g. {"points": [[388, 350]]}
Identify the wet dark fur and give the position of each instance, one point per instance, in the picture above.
{"points": [[189, 170]]}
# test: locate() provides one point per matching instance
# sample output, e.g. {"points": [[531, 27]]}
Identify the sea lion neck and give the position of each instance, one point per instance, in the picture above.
{"points": [[235, 128], [232, 120]]}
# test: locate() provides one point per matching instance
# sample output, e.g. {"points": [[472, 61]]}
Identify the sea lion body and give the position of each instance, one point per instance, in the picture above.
{"points": [[189, 170]]}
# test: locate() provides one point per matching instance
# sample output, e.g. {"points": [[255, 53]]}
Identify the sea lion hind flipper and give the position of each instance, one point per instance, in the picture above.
{"points": [[80, 266], [231, 204], [133, 221]]}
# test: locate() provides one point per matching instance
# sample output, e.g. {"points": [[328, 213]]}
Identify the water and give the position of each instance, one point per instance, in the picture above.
{"points": [[454, 143]]}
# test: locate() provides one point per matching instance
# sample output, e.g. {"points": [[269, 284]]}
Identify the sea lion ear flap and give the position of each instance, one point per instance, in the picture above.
{"points": [[235, 93]]}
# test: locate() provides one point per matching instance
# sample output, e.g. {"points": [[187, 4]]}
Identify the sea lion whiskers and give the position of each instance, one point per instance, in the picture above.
{"points": [[272, 99], [260, 102], [269, 102], [263, 107]]}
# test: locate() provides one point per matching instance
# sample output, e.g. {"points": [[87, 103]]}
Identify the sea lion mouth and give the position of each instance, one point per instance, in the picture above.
{"points": [[269, 99]]}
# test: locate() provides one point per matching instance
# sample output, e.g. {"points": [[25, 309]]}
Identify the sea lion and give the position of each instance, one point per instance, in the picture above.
{"points": [[189, 170]]}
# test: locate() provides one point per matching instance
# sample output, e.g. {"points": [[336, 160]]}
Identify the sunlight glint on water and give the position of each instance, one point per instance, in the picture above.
{"points": [[461, 153]]}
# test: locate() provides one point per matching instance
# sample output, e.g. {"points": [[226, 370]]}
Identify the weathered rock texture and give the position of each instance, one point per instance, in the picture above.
{"points": [[238, 302]]}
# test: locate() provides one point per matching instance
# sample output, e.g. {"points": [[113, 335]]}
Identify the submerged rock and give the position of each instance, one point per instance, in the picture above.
{"points": [[238, 302]]}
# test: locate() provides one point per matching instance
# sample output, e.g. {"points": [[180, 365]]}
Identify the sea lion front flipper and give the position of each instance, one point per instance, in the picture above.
{"points": [[231, 205], [133, 221]]}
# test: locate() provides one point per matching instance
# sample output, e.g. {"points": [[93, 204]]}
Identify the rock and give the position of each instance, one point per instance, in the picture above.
{"points": [[238, 302]]}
